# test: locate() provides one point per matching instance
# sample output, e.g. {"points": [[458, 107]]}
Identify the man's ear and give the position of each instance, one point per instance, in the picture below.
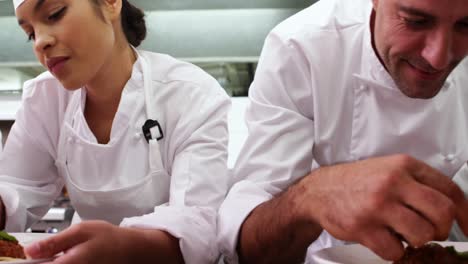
{"points": [[112, 9]]}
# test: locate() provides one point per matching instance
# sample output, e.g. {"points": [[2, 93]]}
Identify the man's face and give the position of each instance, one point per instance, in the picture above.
{"points": [[420, 42]]}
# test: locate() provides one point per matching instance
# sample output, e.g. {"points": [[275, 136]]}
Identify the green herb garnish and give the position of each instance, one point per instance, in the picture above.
{"points": [[5, 236]]}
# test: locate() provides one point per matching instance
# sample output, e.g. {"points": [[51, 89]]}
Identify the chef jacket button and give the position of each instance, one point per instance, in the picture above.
{"points": [[363, 88], [449, 157], [137, 136], [70, 140], [446, 85]]}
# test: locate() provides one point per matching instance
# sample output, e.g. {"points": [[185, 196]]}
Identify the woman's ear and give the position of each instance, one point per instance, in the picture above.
{"points": [[112, 9], [375, 4]]}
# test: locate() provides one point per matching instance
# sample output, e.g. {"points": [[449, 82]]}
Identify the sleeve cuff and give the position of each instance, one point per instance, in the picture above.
{"points": [[241, 200], [195, 227]]}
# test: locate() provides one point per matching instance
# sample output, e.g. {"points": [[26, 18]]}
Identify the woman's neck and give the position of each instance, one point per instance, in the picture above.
{"points": [[103, 92], [106, 87]]}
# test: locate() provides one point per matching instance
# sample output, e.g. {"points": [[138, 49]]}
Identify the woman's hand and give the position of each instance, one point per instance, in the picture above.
{"points": [[101, 242]]}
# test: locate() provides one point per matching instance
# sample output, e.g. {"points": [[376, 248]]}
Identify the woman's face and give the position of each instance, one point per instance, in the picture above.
{"points": [[70, 38]]}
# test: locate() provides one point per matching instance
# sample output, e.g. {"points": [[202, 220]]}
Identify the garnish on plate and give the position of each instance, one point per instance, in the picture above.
{"points": [[433, 253], [10, 248]]}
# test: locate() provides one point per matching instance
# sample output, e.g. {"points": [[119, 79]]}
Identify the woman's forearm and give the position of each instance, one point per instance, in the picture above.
{"points": [[153, 246]]}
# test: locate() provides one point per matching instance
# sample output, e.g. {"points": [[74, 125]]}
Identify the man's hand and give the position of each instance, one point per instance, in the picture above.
{"points": [[101, 242], [381, 201]]}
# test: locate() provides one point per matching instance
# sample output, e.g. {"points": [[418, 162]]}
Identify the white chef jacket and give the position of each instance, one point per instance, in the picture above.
{"points": [[321, 97], [51, 145]]}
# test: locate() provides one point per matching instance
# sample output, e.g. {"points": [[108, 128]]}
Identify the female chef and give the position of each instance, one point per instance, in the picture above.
{"points": [[139, 139]]}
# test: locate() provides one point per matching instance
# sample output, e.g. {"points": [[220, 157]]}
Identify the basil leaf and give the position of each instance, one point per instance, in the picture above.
{"points": [[5, 236]]}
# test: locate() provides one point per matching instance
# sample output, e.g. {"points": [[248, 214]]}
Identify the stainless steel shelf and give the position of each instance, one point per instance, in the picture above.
{"points": [[6, 7]]}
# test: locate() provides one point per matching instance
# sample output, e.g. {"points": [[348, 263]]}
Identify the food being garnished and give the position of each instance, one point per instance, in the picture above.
{"points": [[10, 248], [433, 253]]}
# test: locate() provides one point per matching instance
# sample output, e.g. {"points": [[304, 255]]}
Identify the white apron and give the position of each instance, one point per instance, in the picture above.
{"points": [[111, 197]]}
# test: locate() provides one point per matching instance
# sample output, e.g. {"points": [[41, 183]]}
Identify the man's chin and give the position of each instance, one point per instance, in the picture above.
{"points": [[420, 90]]}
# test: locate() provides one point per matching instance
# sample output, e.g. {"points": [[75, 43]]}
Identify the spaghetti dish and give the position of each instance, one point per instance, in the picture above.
{"points": [[433, 253], [10, 249], [8, 259]]}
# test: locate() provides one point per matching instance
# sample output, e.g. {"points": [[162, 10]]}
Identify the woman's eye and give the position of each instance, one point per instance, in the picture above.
{"points": [[57, 15]]}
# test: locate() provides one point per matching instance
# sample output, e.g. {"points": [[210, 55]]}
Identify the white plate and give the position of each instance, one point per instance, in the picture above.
{"points": [[358, 254], [26, 239]]}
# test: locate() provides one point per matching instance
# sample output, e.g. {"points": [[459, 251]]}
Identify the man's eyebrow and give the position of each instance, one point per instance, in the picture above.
{"points": [[38, 6], [415, 12]]}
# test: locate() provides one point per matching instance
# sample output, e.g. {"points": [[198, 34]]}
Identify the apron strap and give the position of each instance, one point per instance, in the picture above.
{"points": [[155, 159]]}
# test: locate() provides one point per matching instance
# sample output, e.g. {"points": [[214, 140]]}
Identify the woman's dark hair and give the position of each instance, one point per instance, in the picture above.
{"points": [[133, 22]]}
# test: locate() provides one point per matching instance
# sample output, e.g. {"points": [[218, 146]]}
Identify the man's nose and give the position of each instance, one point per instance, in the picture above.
{"points": [[438, 51]]}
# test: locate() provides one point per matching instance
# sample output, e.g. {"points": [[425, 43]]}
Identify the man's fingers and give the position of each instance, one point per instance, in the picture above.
{"points": [[58, 243], [426, 175], [414, 228], [429, 176], [432, 205], [383, 243]]}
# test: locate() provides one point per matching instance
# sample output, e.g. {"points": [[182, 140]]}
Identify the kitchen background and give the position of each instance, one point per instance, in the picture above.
{"points": [[223, 37]]}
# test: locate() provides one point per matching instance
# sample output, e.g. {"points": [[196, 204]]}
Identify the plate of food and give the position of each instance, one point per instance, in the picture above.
{"points": [[11, 247], [443, 252]]}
